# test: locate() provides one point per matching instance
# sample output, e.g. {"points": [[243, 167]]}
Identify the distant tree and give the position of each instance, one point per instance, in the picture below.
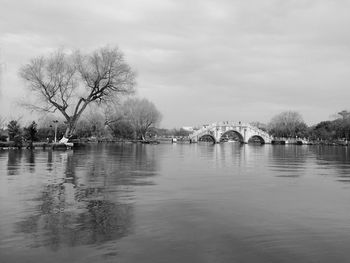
{"points": [[45, 134], [162, 132], [324, 130], [13, 129], [344, 114], [343, 125], [69, 83], [3, 136], [83, 129], [121, 129], [288, 124], [15, 132], [141, 114], [96, 121], [181, 132], [152, 132], [46, 128], [91, 124], [118, 124], [30, 133]]}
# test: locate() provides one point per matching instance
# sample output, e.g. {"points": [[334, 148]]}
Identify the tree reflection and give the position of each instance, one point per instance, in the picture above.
{"points": [[30, 159], [87, 206], [13, 161], [87, 222], [49, 163], [71, 163], [105, 221], [68, 216]]}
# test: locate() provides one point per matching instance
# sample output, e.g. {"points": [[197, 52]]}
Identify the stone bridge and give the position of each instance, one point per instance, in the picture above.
{"points": [[218, 130]]}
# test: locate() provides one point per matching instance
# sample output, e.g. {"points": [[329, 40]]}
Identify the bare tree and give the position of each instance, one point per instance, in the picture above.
{"points": [[115, 120], [141, 114], [288, 124], [69, 83], [344, 114], [91, 124]]}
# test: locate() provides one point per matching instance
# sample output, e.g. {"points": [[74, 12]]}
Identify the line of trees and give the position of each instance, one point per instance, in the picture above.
{"points": [[18, 135], [291, 124], [138, 118], [133, 119]]}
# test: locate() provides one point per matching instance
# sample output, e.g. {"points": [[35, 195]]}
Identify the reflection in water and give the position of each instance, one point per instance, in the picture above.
{"points": [[175, 203], [330, 157], [49, 160], [86, 207], [289, 160], [14, 160], [30, 159], [66, 217], [71, 163]]}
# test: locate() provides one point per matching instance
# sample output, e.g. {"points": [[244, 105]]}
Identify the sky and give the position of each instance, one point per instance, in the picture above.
{"points": [[198, 61]]}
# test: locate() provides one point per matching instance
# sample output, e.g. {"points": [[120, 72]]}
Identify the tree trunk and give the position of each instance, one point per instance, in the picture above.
{"points": [[70, 128]]}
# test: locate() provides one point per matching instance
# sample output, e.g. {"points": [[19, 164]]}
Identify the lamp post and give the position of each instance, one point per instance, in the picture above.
{"points": [[55, 122]]}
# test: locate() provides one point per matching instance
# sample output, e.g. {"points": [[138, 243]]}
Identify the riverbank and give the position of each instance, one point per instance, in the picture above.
{"points": [[78, 143], [41, 145], [74, 144]]}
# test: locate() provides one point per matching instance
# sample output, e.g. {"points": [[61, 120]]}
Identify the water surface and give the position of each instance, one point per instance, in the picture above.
{"points": [[176, 203]]}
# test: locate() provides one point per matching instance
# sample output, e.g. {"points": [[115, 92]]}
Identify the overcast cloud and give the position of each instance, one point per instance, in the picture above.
{"points": [[198, 61]]}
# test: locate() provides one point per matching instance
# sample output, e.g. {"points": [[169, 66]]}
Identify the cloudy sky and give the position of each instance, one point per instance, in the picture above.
{"points": [[198, 61]]}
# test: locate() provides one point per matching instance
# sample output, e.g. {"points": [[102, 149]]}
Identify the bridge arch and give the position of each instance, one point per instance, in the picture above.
{"points": [[231, 135], [256, 139], [206, 137]]}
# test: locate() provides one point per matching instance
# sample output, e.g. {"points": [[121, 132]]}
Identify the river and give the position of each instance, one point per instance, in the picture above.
{"points": [[176, 203]]}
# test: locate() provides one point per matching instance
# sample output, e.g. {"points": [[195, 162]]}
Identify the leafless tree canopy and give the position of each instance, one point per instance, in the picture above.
{"points": [[287, 123], [137, 114], [52, 79], [69, 83], [142, 114], [344, 114]]}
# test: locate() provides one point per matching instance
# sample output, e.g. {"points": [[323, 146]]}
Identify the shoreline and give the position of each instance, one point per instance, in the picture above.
{"points": [[80, 144]]}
